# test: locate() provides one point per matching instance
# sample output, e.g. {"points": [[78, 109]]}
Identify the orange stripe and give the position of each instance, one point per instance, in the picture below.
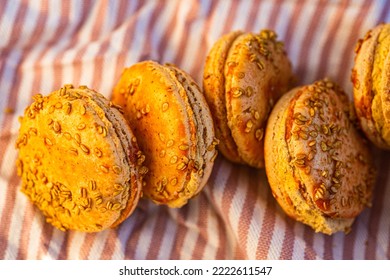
{"points": [[201, 242], [329, 44], [349, 43]]}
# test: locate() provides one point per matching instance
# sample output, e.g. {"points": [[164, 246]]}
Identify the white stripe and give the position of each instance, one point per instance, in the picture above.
{"points": [[7, 23], [314, 53], [220, 14], [145, 239], [299, 244], [192, 233], [241, 18], [168, 236], [301, 29], [337, 248], [263, 14], [16, 226], [212, 234], [361, 231], [134, 51], [285, 18], [177, 34], [191, 53], [78, 238], [34, 241]]}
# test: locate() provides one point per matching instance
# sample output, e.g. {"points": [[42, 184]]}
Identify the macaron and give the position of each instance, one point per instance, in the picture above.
{"points": [[79, 160], [244, 75], [371, 85], [172, 122], [319, 166]]}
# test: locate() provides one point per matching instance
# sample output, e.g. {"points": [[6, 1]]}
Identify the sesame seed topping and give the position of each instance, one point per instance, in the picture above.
{"points": [[48, 141], [68, 108], [237, 92], [117, 169], [170, 143], [81, 126], [105, 169], [183, 147], [259, 134], [181, 166], [174, 181], [165, 106], [173, 159], [56, 127], [97, 152]]}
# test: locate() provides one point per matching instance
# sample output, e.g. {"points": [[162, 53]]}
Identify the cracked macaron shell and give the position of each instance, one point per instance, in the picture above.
{"points": [[319, 167], [244, 75], [78, 160], [173, 125]]}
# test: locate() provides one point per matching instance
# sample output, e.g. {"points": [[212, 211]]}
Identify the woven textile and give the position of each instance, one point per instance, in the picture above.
{"points": [[45, 44]]}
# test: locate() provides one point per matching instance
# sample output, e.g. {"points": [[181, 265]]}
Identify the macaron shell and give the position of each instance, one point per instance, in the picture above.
{"points": [[257, 73], [319, 168], [370, 80], [162, 116], [214, 91], [74, 166]]}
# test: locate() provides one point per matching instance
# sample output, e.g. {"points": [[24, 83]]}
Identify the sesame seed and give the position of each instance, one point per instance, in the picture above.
{"points": [[143, 170], [165, 106], [104, 168], [117, 169], [68, 108], [173, 159], [300, 156], [256, 115], [73, 151], [116, 206], [183, 147], [92, 185], [249, 91], [77, 137], [48, 141], [312, 143], [181, 166], [324, 147], [162, 153], [174, 181], [83, 110], [237, 92], [170, 143], [97, 152], [162, 137], [67, 135], [259, 134], [58, 105], [81, 126], [56, 127]]}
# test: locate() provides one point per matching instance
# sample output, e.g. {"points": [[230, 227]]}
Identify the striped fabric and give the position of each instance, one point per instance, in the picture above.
{"points": [[45, 44]]}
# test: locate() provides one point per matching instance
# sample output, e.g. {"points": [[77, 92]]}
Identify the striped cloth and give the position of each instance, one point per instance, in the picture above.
{"points": [[45, 44]]}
